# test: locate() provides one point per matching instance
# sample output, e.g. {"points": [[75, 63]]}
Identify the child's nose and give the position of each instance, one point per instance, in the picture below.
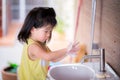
{"points": [[48, 35]]}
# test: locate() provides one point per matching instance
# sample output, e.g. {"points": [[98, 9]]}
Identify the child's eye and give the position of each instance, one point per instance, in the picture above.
{"points": [[47, 31]]}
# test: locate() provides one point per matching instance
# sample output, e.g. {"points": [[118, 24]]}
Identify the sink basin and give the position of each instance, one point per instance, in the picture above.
{"points": [[71, 72]]}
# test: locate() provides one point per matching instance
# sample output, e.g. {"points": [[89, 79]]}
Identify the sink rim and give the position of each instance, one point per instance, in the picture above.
{"points": [[74, 64]]}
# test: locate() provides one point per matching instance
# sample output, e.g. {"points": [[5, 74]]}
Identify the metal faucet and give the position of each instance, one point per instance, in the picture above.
{"points": [[101, 57]]}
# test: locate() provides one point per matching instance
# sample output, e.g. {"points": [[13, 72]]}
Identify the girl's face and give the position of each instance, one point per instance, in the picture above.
{"points": [[41, 34]]}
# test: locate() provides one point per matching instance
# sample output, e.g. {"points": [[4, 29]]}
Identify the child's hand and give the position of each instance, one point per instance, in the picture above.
{"points": [[73, 48]]}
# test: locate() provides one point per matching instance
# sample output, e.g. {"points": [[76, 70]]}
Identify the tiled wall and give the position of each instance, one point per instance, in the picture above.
{"points": [[107, 29]]}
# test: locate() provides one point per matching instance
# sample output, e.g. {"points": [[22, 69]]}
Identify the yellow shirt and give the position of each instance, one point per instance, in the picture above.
{"points": [[32, 70]]}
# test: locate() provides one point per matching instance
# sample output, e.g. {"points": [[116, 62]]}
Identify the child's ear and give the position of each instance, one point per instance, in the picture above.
{"points": [[32, 30]]}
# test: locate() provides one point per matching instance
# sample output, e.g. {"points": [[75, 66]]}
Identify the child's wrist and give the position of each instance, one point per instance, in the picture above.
{"points": [[67, 52]]}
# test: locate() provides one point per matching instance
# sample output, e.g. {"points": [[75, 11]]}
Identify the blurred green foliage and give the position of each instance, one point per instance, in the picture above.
{"points": [[12, 67], [60, 27]]}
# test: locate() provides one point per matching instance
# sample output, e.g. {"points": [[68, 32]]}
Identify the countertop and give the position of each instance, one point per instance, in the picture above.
{"points": [[108, 75]]}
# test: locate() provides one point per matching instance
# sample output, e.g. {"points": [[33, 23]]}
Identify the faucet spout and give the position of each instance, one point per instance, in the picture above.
{"points": [[101, 57], [89, 57]]}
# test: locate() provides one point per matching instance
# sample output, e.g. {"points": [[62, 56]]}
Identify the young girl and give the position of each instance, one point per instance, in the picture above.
{"points": [[36, 32]]}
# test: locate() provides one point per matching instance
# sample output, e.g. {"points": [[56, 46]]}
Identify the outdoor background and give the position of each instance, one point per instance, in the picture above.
{"points": [[14, 13]]}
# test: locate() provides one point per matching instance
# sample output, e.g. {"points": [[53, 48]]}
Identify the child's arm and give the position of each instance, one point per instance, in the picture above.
{"points": [[36, 52]]}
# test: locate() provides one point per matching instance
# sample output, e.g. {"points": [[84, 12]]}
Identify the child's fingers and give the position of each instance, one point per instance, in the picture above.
{"points": [[76, 44], [75, 49]]}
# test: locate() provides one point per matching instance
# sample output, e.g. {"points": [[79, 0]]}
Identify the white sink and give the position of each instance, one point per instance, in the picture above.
{"points": [[71, 72]]}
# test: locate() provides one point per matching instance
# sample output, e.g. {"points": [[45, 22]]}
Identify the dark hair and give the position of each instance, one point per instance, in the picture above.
{"points": [[37, 17]]}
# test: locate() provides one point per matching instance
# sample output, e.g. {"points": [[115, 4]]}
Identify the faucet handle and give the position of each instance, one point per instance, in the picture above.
{"points": [[102, 59]]}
